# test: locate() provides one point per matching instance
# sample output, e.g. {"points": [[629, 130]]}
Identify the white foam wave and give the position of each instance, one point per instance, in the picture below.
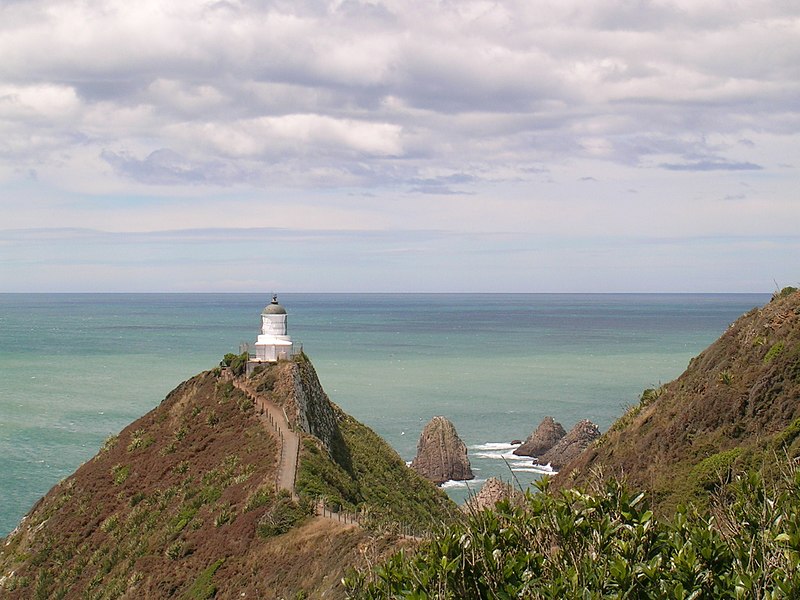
{"points": [[472, 483], [541, 469], [494, 446], [509, 456]]}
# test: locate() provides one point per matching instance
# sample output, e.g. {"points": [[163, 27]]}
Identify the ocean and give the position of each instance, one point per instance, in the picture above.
{"points": [[76, 368]]}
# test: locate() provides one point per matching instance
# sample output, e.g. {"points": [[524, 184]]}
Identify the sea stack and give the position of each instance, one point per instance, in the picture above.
{"points": [[547, 434], [571, 445], [492, 492], [441, 455]]}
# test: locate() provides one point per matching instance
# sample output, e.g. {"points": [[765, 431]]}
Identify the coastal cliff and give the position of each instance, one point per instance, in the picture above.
{"points": [[185, 501], [735, 408]]}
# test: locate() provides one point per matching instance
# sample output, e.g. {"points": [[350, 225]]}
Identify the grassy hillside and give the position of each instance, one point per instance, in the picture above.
{"points": [[182, 504], [736, 408], [373, 479]]}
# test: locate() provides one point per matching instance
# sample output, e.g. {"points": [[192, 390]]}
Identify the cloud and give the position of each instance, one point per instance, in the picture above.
{"points": [[475, 115], [165, 167], [712, 165]]}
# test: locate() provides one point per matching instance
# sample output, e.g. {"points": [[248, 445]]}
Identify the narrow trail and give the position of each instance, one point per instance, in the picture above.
{"points": [[274, 418]]}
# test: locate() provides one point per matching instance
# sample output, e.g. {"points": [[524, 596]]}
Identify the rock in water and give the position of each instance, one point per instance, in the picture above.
{"points": [[571, 445], [546, 435], [441, 455], [492, 492]]}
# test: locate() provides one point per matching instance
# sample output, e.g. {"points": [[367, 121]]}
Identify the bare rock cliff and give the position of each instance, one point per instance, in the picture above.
{"points": [[441, 455], [295, 387], [571, 445], [547, 434]]}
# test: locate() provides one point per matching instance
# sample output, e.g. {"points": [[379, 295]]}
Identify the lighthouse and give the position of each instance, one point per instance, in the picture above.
{"points": [[274, 343]]}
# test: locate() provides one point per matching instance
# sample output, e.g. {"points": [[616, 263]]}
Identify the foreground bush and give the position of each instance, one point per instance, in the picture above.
{"points": [[607, 544]]}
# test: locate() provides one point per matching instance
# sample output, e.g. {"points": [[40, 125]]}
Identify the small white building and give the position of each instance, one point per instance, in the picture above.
{"points": [[273, 344]]}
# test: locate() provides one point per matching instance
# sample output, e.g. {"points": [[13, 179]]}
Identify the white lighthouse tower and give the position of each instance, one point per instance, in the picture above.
{"points": [[274, 343]]}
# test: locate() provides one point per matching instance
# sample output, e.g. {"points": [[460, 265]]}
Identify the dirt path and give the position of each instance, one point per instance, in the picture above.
{"points": [[274, 417]]}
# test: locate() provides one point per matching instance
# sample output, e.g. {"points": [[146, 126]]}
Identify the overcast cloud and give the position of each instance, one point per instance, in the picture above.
{"points": [[399, 145]]}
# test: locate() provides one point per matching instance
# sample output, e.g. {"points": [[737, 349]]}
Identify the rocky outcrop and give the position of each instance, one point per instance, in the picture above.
{"points": [[547, 434], [295, 387], [441, 455], [571, 445], [492, 492]]}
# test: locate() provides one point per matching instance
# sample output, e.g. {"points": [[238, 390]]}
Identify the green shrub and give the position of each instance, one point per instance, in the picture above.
{"points": [[140, 439], [227, 359], [226, 515], [203, 588], [787, 291], [261, 497], [109, 443], [239, 363], [715, 469], [776, 349], [606, 543], [175, 551], [282, 515], [120, 473]]}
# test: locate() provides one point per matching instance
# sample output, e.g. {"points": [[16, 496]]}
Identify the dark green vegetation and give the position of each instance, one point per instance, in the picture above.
{"points": [[608, 544], [235, 362], [373, 479]]}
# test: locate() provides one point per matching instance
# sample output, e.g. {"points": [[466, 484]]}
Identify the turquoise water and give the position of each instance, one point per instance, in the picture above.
{"points": [[75, 368]]}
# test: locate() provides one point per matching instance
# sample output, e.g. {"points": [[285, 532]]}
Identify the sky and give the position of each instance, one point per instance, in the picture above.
{"points": [[399, 146]]}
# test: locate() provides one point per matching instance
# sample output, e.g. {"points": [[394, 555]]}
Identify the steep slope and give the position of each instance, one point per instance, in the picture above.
{"points": [[737, 406], [183, 503]]}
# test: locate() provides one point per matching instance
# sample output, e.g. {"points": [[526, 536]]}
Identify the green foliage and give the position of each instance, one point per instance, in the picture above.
{"points": [[140, 439], [650, 395], [175, 551], [283, 514], [109, 443], [776, 349], [373, 479], [237, 363], [787, 291], [119, 473], [261, 497], [607, 544], [715, 470], [203, 587], [725, 377], [786, 437], [226, 515], [227, 359]]}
